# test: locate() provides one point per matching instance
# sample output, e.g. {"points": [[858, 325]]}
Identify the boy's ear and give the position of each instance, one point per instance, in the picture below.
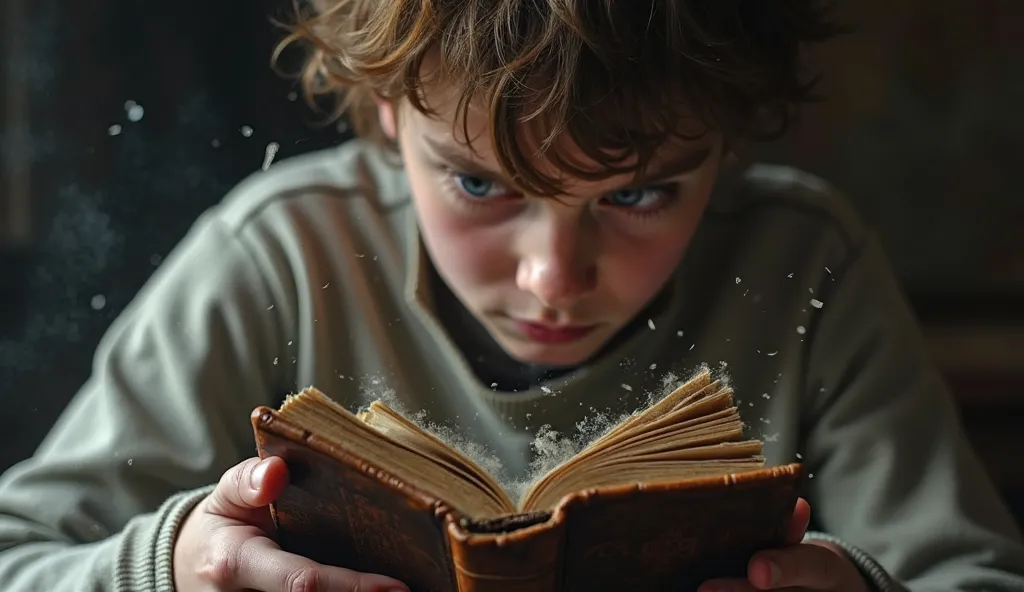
{"points": [[387, 117]]}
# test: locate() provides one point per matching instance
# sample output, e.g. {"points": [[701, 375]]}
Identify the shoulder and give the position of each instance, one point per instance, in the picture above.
{"points": [[356, 174], [782, 200]]}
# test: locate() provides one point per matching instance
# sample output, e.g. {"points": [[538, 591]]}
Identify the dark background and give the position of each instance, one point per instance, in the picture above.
{"points": [[922, 129]]}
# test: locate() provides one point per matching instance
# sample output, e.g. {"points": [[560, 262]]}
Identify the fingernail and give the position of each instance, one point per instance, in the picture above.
{"points": [[257, 474], [774, 573]]}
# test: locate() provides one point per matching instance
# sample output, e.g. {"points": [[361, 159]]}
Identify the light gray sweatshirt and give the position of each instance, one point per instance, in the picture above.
{"points": [[311, 273]]}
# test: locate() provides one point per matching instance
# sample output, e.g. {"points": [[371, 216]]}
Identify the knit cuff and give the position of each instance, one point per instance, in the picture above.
{"points": [[144, 557], [874, 574]]}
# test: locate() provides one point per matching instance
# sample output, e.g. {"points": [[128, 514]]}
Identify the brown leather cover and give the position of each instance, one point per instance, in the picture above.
{"points": [[339, 510]]}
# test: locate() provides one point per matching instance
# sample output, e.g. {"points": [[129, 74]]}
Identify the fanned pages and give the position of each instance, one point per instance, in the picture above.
{"points": [[692, 432]]}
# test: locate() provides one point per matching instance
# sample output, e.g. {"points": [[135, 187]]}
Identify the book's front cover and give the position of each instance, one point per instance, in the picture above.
{"points": [[339, 511]]}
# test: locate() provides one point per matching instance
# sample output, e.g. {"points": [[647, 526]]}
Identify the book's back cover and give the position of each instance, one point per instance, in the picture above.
{"points": [[675, 536], [340, 511]]}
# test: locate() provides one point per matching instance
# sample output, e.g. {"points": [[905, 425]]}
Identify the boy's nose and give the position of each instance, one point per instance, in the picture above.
{"points": [[557, 266]]}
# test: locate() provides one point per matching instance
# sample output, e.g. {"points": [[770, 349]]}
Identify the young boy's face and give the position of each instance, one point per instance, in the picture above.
{"points": [[552, 280]]}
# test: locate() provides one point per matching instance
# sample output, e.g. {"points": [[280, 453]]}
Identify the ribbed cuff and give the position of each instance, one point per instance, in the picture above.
{"points": [[144, 557], [877, 578]]}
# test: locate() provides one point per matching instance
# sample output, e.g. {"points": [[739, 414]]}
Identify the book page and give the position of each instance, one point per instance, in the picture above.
{"points": [[696, 430]]}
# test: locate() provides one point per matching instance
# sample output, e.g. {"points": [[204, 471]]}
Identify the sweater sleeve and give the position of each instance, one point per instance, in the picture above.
{"points": [[163, 415], [894, 480]]}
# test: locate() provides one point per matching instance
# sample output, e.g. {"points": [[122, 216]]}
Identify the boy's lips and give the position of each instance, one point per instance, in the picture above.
{"points": [[551, 334]]}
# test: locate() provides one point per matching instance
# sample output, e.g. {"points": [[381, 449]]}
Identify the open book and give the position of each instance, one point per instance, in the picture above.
{"points": [[673, 492]]}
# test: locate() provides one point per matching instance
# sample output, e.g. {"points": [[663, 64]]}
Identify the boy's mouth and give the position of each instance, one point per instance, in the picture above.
{"points": [[549, 333]]}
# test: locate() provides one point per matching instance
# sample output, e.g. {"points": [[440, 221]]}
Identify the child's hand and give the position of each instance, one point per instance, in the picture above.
{"points": [[812, 566], [224, 543]]}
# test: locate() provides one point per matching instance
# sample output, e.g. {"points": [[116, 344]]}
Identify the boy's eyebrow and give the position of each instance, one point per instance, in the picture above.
{"points": [[675, 167], [460, 161]]}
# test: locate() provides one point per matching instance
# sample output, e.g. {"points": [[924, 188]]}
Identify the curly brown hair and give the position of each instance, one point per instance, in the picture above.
{"points": [[620, 78]]}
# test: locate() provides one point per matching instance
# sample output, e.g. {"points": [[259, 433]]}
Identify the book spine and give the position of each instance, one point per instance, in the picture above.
{"points": [[529, 559]]}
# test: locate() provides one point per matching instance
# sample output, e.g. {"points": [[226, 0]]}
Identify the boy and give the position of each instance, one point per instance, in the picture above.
{"points": [[551, 209]]}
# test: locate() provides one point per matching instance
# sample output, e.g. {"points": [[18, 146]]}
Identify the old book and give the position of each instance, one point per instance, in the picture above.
{"points": [[671, 496]]}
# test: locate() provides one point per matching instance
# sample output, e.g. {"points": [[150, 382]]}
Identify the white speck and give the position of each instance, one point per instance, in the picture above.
{"points": [[738, 280], [692, 346], [360, 255], [276, 360], [627, 387], [271, 307], [811, 290], [245, 131], [529, 415], [679, 333], [114, 130], [271, 152], [98, 302], [828, 270], [215, 143], [772, 438], [291, 342], [494, 385], [545, 389], [135, 111], [817, 303], [292, 96], [799, 456], [766, 396], [801, 330], [766, 421], [751, 404], [130, 461], [770, 354], [810, 475], [790, 276], [325, 286], [650, 323], [652, 367]]}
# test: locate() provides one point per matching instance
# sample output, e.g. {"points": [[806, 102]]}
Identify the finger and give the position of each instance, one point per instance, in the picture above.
{"points": [[804, 565], [726, 585], [799, 523], [250, 485], [265, 567]]}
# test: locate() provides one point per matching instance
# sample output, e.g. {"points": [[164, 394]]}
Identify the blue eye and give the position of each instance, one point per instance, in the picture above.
{"points": [[626, 197], [475, 186], [642, 198]]}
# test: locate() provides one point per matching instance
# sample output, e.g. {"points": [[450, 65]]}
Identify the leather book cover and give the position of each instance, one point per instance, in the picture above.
{"points": [[339, 510]]}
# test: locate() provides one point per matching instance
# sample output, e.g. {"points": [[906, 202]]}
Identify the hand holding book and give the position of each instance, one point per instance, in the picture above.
{"points": [[225, 543]]}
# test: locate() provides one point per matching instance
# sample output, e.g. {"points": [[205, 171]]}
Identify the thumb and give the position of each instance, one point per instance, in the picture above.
{"points": [[246, 489], [799, 522]]}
